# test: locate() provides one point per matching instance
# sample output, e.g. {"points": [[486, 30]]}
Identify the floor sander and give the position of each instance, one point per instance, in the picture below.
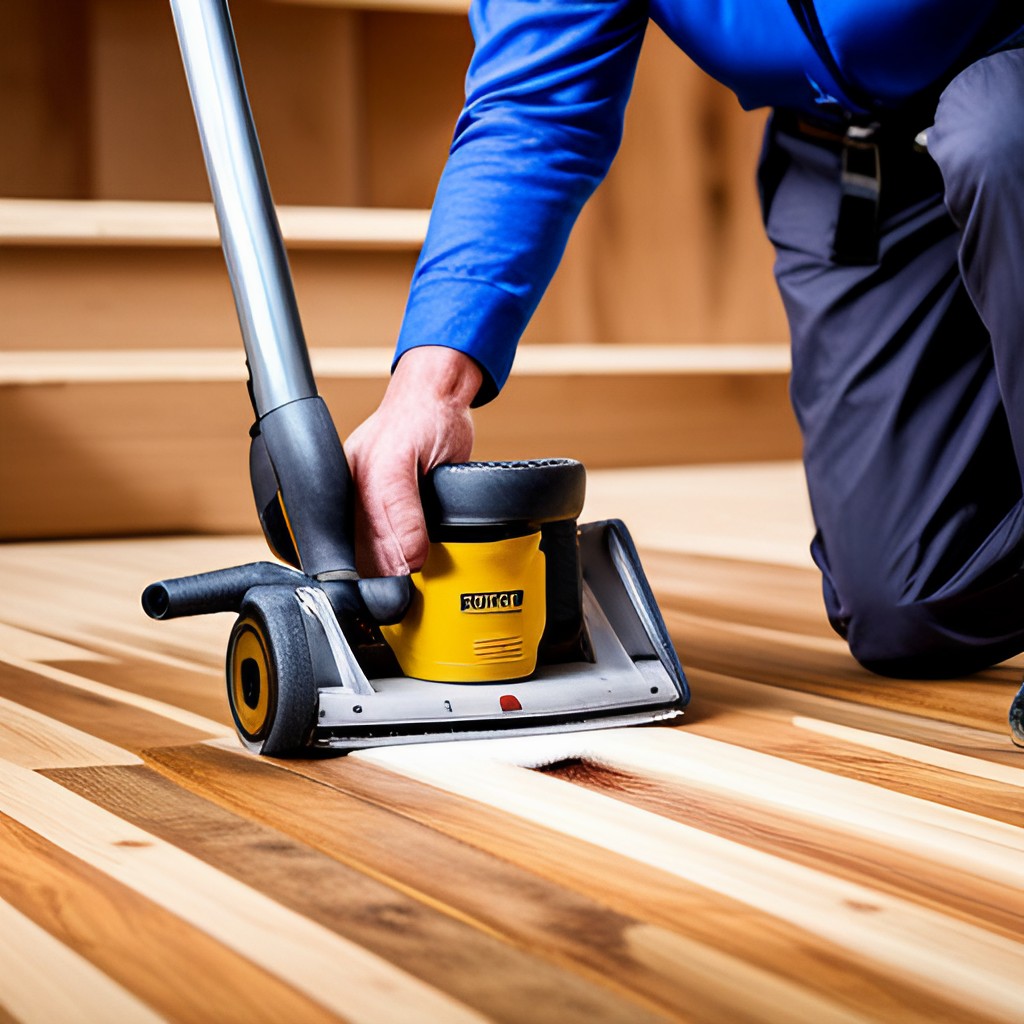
{"points": [[520, 620]]}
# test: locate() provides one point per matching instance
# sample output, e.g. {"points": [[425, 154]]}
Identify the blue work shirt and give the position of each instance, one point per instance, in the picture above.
{"points": [[545, 99]]}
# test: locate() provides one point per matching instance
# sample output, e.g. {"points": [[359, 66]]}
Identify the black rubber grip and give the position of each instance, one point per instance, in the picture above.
{"points": [[219, 591], [497, 493]]}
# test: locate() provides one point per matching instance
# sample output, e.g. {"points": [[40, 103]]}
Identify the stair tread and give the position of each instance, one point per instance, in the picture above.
{"points": [[129, 223], [223, 364]]}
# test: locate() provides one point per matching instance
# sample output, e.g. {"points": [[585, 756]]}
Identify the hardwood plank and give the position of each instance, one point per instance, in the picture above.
{"points": [[756, 944], [144, 703], [33, 646], [948, 760], [673, 972], [787, 660], [955, 958], [31, 959], [34, 740], [962, 839], [103, 715], [764, 722], [199, 692], [722, 694], [317, 962], [453, 951], [958, 862], [81, 914]]}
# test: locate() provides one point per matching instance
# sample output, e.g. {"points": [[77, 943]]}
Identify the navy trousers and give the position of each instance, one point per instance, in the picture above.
{"points": [[908, 379]]}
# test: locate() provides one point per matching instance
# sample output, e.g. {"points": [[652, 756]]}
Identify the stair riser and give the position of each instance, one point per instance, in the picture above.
{"points": [[101, 459], [94, 297]]}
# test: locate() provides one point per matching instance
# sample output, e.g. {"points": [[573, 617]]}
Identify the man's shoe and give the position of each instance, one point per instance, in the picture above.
{"points": [[1017, 718]]}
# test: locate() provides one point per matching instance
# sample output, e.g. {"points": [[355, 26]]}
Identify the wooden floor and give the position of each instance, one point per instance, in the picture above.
{"points": [[812, 844]]}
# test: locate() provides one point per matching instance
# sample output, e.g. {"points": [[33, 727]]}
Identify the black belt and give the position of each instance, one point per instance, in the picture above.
{"points": [[859, 142]]}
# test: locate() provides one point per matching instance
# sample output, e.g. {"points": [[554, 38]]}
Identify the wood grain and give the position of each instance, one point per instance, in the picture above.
{"points": [[32, 957], [148, 950], [811, 844]]}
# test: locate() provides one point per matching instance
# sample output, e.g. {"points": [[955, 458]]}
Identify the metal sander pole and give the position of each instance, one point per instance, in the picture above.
{"points": [[275, 347]]}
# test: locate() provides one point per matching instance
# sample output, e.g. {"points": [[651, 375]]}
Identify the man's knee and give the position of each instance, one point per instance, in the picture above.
{"points": [[978, 135], [894, 635]]}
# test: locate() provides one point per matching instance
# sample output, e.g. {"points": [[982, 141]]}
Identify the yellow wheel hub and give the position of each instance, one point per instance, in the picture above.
{"points": [[250, 677]]}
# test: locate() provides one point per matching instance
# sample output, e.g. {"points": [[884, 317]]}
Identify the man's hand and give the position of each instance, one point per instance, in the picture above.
{"points": [[422, 422]]}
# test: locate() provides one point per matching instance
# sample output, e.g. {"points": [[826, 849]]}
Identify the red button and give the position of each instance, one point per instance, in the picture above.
{"points": [[510, 703]]}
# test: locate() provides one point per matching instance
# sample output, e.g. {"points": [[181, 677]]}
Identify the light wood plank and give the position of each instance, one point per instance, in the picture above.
{"points": [[32, 959], [966, 842], [32, 740], [178, 970], [1006, 775], [675, 973], [33, 646], [753, 938], [119, 696]]}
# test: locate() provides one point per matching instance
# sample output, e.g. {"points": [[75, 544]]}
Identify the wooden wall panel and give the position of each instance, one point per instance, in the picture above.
{"points": [[301, 70], [671, 247], [414, 68], [44, 99], [114, 453]]}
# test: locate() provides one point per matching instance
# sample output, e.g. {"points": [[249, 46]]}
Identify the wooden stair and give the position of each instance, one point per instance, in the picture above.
{"points": [[122, 399], [104, 274], [132, 441]]}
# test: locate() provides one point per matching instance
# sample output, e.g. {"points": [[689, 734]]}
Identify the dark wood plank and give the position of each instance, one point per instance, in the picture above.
{"points": [[121, 724]]}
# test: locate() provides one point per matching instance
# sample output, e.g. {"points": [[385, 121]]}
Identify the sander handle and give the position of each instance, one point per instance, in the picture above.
{"points": [[301, 479]]}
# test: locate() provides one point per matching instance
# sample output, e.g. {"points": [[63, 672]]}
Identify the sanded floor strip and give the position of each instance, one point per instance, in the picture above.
{"points": [[969, 842], [423, 937], [676, 973], [669, 900], [1007, 775]]}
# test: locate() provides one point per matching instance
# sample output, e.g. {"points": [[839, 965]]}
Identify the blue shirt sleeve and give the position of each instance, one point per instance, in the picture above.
{"points": [[545, 100]]}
